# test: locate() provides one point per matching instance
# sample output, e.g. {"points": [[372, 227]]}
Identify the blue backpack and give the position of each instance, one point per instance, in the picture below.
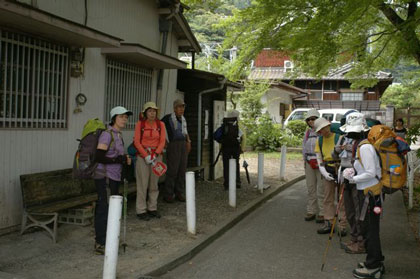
{"points": [[218, 134]]}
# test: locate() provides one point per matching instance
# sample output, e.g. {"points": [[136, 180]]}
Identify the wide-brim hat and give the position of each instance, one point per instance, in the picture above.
{"points": [[232, 113], [120, 110], [149, 105], [321, 123], [312, 113], [355, 123]]}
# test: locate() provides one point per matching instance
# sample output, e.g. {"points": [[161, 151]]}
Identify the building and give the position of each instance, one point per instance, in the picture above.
{"points": [[64, 62], [331, 91]]}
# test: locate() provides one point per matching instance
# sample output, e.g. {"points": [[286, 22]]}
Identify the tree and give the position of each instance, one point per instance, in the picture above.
{"points": [[323, 34], [250, 100], [399, 96]]}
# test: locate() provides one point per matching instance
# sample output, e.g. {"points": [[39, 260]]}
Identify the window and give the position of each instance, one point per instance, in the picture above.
{"points": [[298, 115], [328, 116], [315, 95], [129, 86], [33, 82], [352, 96]]}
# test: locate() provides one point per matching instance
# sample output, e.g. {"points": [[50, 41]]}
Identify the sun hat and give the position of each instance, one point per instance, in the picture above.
{"points": [[149, 105], [232, 113], [312, 113], [355, 123], [120, 110], [321, 123], [179, 102]]}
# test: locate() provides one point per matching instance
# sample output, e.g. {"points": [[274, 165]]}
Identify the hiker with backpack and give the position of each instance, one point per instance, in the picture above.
{"points": [[328, 168], [314, 208], [110, 156], [149, 140], [179, 145], [355, 129], [233, 142]]}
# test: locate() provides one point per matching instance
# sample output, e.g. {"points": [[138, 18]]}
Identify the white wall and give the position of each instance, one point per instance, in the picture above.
{"points": [[272, 100], [25, 151]]}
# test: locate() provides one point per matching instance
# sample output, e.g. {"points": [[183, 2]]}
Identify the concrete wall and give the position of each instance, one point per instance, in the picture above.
{"points": [[272, 99], [27, 151]]}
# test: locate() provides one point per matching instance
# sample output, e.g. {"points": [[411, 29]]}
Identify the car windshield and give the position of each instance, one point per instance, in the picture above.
{"points": [[298, 115], [338, 117], [328, 116]]}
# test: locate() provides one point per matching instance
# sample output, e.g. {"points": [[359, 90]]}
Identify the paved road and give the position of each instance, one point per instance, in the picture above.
{"points": [[275, 242]]}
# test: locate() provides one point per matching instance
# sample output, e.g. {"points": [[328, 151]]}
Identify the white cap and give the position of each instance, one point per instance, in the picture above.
{"points": [[312, 113], [355, 123], [232, 113], [321, 123], [120, 110]]}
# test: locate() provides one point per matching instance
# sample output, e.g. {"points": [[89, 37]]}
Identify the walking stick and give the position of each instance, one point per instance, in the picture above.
{"points": [[332, 228], [124, 244]]}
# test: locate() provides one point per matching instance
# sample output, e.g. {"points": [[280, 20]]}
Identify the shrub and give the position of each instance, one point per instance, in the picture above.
{"points": [[297, 127]]}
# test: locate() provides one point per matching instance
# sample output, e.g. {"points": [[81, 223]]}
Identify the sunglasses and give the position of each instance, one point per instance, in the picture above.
{"points": [[311, 119]]}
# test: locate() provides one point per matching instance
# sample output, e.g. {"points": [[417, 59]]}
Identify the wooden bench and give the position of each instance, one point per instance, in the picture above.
{"points": [[199, 170], [45, 194]]}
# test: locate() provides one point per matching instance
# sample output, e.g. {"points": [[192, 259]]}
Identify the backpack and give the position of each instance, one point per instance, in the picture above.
{"points": [[390, 150], [132, 150], [321, 141], [218, 134], [230, 132], [84, 164]]}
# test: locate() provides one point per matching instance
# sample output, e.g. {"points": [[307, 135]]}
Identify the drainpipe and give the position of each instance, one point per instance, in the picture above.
{"points": [[200, 94], [165, 26]]}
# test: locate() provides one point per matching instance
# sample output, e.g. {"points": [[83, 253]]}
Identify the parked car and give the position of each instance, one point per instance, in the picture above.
{"points": [[332, 115]]}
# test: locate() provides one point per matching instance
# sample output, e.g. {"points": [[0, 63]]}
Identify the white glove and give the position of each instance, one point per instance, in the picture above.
{"points": [[348, 174], [328, 176], [149, 160]]}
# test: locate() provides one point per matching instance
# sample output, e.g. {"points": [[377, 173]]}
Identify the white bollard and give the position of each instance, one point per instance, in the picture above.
{"points": [[190, 201], [260, 172], [283, 162], [232, 182], [112, 237]]}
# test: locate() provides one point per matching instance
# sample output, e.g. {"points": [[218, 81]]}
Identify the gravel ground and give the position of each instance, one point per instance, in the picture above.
{"points": [[33, 255]]}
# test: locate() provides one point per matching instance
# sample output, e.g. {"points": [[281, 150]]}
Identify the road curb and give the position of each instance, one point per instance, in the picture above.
{"points": [[190, 251]]}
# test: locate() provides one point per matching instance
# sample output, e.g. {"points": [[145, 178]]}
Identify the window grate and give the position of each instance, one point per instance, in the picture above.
{"points": [[33, 82], [352, 96], [129, 86]]}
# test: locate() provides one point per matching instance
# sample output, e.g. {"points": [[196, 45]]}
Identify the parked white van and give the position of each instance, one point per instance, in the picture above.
{"points": [[332, 115]]}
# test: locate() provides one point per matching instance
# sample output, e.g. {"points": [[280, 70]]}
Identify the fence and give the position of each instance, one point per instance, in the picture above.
{"points": [[411, 116]]}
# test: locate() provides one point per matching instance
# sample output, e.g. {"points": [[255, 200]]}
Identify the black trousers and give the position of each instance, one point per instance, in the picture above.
{"points": [[351, 198], [370, 230], [176, 158], [101, 209], [230, 153]]}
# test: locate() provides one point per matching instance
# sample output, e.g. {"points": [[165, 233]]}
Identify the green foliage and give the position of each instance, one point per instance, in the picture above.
{"points": [[250, 99], [297, 127], [321, 35], [267, 136], [412, 136], [400, 96]]}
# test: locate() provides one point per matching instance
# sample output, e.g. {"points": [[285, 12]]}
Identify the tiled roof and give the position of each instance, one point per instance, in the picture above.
{"points": [[270, 58]]}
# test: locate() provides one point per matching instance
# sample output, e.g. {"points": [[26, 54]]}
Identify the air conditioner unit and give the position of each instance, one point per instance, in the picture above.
{"points": [[288, 65]]}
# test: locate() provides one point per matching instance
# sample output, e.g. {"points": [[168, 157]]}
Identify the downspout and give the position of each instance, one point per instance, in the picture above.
{"points": [[200, 94]]}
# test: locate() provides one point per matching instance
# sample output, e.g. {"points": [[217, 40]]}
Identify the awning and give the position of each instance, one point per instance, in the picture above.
{"points": [[26, 18], [140, 55]]}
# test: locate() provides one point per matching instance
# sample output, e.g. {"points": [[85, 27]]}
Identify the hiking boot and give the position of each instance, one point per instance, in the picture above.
{"points": [[180, 197], [355, 248], [143, 216], [362, 265], [309, 217], [326, 228], [342, 232], [319, 219], [154, 214], [99, 249], [363, 272], [169, 199]]}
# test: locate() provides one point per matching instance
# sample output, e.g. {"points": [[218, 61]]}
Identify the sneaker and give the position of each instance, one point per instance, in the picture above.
{"points": [[362, 265], [363, 272], [99, 249], [319, 219], [342, 232], [309, 217], [355, 248], [326, 228], [154, 214], [143, 216]]}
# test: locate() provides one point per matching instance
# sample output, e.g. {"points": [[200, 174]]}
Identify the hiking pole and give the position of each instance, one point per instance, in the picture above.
{"points": [[332, 228], [124, 244]]}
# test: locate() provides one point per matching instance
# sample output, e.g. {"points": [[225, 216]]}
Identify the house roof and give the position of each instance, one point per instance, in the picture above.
{"points": [[18, 16], [278, 73], [141, 55], [173, 9], [196, 80], [271, 58]]}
